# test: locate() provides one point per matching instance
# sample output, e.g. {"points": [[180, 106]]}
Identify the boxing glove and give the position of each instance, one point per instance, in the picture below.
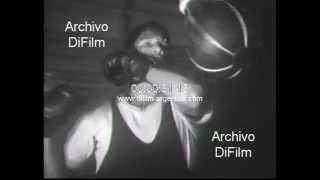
{"points": [[126, 68], [58, 106]]}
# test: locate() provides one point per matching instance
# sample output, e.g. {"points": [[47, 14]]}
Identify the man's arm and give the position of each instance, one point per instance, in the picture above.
{"points": [[87, 144], [79, 146], [66, 153], [189, 116]]}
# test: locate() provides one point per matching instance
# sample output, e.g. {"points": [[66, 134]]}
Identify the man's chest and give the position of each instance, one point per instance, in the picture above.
{"points": [[143, 122]]}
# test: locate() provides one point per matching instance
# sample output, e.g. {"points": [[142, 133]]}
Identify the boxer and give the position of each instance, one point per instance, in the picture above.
{"points": [[137, 138]]}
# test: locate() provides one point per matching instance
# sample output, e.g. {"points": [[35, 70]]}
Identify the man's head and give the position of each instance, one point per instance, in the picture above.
{"points": [[152, 40]]}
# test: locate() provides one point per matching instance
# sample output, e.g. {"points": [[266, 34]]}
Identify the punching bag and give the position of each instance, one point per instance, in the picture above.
{"points": [[218, 36]]}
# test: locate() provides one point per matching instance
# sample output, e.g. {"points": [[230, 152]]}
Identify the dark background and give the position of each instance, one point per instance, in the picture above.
{"points": [[246, 104]]}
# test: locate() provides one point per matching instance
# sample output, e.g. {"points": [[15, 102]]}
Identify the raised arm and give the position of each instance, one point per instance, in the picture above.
{"points": [[189, 116]]}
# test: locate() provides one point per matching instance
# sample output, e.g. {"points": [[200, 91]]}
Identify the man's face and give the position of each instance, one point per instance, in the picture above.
{"points": [[151, 44]]}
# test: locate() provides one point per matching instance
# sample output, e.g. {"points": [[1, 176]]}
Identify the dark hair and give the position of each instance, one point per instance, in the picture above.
{"points": [[152, 26]]}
